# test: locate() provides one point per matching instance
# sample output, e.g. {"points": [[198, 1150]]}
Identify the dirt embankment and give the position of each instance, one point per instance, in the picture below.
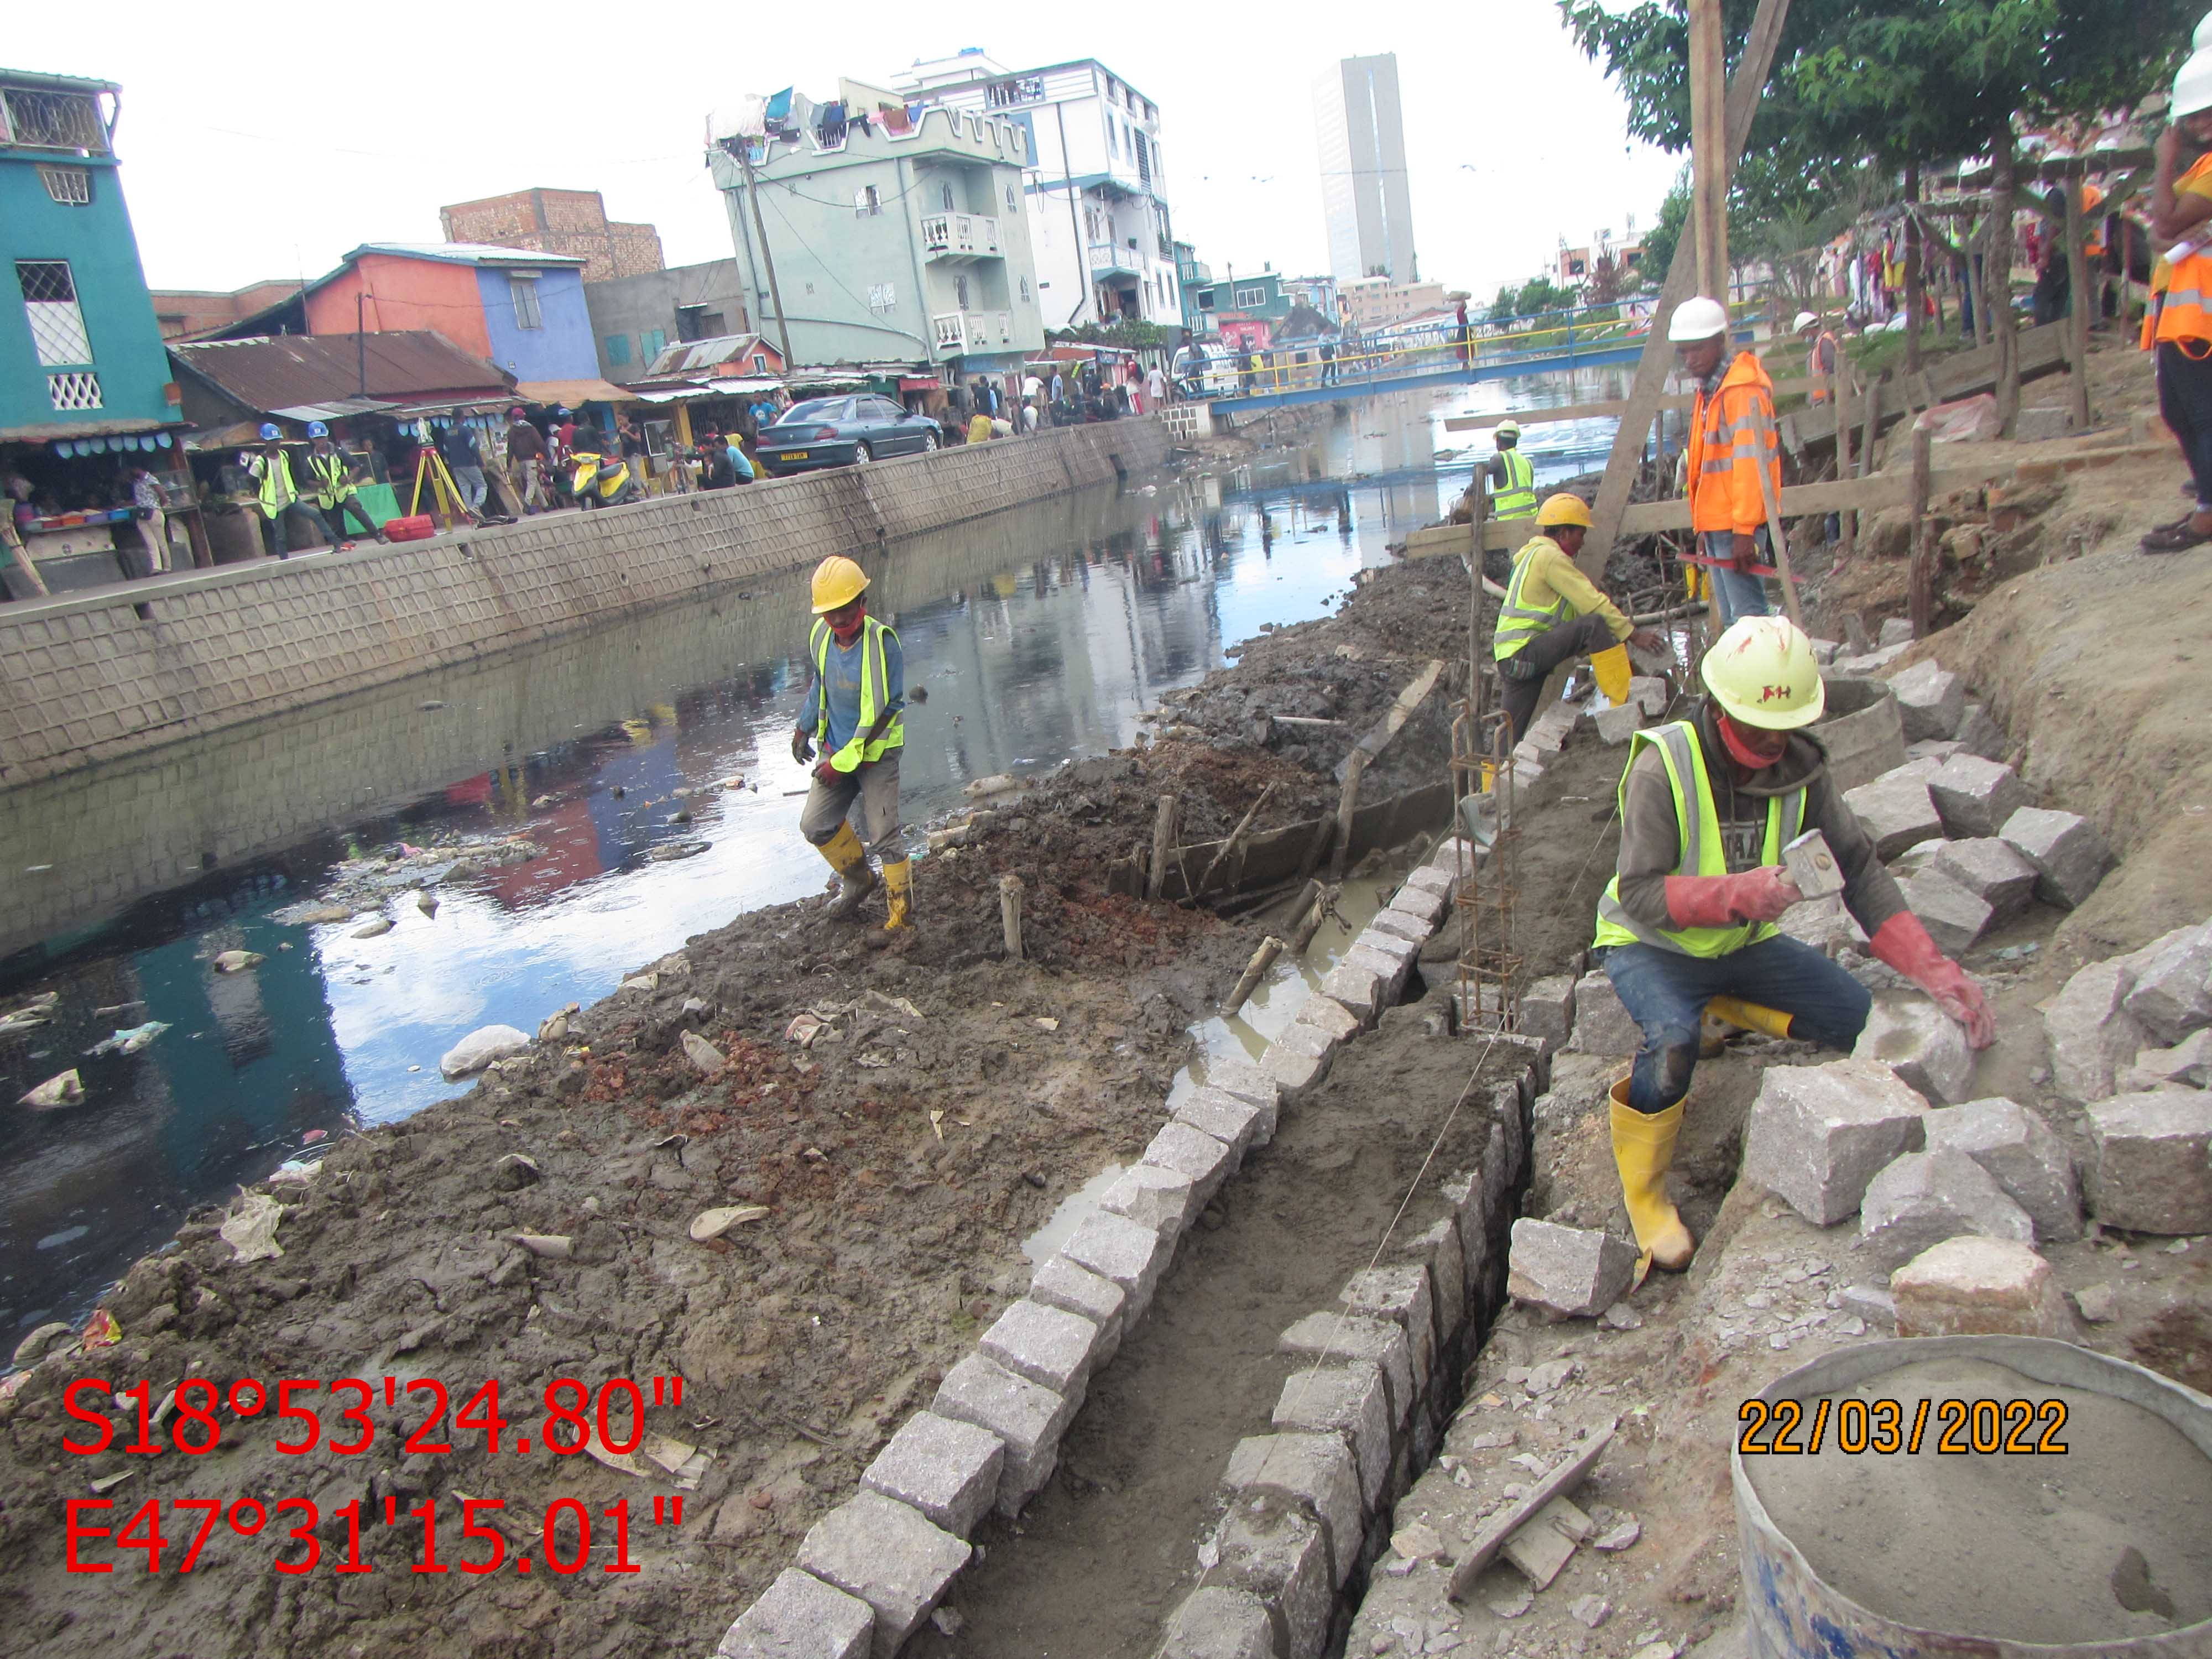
{"points": [[887, 1173]]}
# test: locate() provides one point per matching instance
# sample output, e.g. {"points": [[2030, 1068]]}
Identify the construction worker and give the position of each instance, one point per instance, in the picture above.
{"points": [[1821, 356], [332, 471], [1707, 804], [1732, 433], [853, 710], [2178, 326], [1552, 612], [277, 494], [1512, 476]]}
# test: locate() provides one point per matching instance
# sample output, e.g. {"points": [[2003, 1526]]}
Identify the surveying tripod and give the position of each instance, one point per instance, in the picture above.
{"points": [[430, 468]]}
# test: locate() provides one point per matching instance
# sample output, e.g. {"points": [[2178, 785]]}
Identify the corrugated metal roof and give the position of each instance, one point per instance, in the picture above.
{"points": [[463, 254], [291, 371]]}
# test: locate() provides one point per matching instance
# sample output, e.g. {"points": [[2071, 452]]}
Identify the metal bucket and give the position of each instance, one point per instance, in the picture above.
{"points": [[1862, 731], [1790, 1613]]}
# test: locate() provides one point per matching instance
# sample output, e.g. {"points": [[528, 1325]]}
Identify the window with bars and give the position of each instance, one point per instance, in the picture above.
{"points": [[52, 120], [70, 186], [523, 290], [50, 305]]}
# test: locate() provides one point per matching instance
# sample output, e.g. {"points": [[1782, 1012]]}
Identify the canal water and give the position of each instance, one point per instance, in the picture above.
{"points": [[1040, 634]]}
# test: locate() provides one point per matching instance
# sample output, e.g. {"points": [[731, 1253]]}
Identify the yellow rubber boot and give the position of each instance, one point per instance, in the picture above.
{"points": [[1642, 1149], [850, 861], [898, 883]]}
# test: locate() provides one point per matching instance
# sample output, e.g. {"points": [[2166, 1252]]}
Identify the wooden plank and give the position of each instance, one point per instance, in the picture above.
{"points": [[1271, 856], [1964, 374], [1745, 89], [1494, 1537], [1800, 386], [1395, 718]]}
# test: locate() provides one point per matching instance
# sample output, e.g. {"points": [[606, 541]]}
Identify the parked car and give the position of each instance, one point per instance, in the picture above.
{"points": [[839, 432]]}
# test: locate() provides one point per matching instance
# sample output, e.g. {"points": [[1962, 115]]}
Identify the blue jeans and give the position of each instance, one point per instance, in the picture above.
{"points": [[1665, 993], [1735, 593]]}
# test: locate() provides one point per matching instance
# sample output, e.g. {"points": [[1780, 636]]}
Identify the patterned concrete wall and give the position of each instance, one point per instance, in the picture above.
{"points": [[96, 677]]}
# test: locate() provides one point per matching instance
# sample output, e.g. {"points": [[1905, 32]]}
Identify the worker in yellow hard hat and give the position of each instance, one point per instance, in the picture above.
{"points": [[1707, 804], [1552, 612], [853, 711]]}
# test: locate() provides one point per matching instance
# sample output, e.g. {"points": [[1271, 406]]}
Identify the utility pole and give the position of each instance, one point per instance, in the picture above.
{"points": [[360, 341], [759, 226], [1710, 153]]}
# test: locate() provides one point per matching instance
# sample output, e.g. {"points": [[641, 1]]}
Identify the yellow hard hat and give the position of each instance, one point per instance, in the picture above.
{"points": [[1763, 672], [1563, 508], [838, 582], [1509, 429]]}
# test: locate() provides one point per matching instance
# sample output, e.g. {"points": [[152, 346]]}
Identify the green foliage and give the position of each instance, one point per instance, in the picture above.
{"points": [[1664, 237], [1129, 335]]}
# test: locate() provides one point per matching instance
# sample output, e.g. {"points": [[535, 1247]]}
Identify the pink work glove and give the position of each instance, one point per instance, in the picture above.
{"points": [[826, 771], [1760, 894], [1903, 944]]}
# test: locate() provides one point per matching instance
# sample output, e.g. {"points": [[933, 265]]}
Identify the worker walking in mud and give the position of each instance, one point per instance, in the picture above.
{"points": [[1553, 613], [1732, 435], [853, 711], [1707, 804]]}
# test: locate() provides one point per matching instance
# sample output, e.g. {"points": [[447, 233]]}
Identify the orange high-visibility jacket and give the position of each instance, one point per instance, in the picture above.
{"points": [[1731, 435]]}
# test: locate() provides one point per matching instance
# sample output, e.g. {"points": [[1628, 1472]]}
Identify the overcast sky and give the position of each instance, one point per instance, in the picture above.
{"points": [[266, 143]]}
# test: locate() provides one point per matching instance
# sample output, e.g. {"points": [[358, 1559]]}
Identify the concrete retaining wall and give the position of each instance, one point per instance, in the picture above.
{"points": [[95, 676]]}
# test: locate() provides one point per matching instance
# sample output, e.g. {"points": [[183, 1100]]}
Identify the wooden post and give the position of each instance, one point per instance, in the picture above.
{"points": [[1711, 154], [1914, 284], [1652, 369], [1997, 281], [1922, 581], [1163, 831], [1313, 907], [1847, 524], [2082, 305], [1873, 435], [1228, 849], [1010, 913], [1255, 971], [1781, 540], [1347, 802]]}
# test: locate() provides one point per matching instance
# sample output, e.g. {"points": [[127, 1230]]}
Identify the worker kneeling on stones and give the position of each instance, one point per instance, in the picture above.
{"points": [[1706, 805], [853, 711], [1552, 612]]}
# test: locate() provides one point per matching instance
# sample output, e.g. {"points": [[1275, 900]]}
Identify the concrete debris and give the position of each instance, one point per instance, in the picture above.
{"points": [[1571, 1273], [1923, 1197], [1512, 1603], [1930, 699], [2098, 1304], [1621, 1317], [1602, 1024], [1908, 1033], [888, 1556], [2070, 858], [515, 1171], [2170, 998], [480, 1048], [946, 1469], [1980, 1287], [1955, 916], [1818, 1135], [2022, 1155], [2188, 1064], [1214, 1623], [799, 1613], [2090, 1032], [63, 1089], [1619, 1538], [705, 1055], [1992, 869], [1976, 797], [2151, 1167], [1896, 811], [1590, 1610]]}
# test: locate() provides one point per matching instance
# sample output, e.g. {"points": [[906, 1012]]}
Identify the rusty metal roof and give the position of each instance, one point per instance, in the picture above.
{"points": [[290, 371]]}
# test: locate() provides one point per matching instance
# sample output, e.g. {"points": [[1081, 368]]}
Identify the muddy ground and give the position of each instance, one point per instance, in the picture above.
{"points": [[899, 1160]]}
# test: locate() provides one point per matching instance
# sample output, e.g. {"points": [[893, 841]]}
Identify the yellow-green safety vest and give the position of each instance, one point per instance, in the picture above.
{"points": [[1519, 623], [873, 675], [1518, 499], [331, 484], [1702, 852], [278, 489]]}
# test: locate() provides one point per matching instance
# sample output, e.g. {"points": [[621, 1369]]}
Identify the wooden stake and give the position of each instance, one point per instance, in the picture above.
{"points": [[1922, 581], [1781, 540], [1255, 971], [1236, 840], [1847, 523], [1914, 287], [1997, 278], [1347, 803], [1709, 155], [1873, 428], [2080, 304], [1313, 909], [1495, 1537], [1010, 913], [1163, 832]]}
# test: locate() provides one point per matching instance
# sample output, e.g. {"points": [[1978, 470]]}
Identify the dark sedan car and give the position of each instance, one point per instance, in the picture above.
{"points": [[838, 431]]}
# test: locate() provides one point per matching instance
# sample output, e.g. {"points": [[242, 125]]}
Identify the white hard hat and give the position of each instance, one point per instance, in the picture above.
{"points": [[1696, 318], [2192, 86], [1805, 319], [2202, 40], [1509, 429]]}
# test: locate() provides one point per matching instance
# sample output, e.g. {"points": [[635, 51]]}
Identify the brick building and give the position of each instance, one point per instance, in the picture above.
{"points": [[568, 221]]}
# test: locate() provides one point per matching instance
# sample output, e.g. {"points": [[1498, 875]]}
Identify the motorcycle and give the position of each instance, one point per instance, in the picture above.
{"points": [[602, 480]]}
